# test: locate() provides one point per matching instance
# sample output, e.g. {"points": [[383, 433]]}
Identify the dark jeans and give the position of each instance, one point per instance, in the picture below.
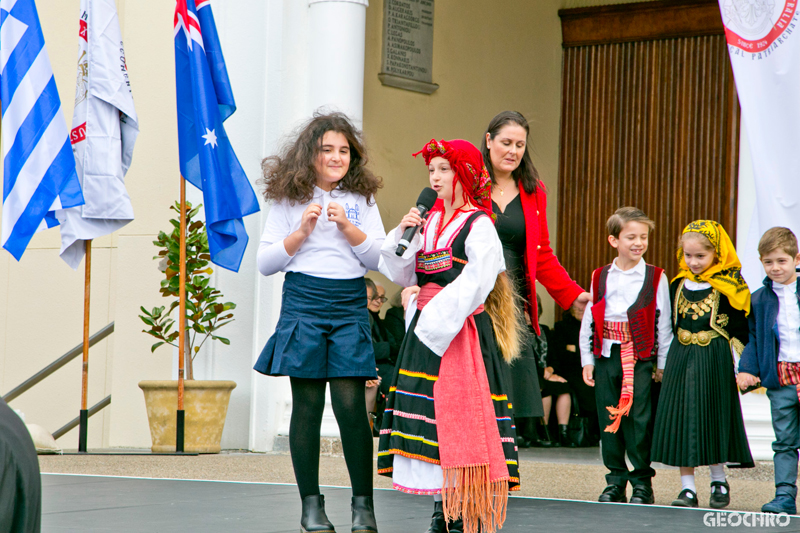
{"points": [[635, 432], [786, 423]]}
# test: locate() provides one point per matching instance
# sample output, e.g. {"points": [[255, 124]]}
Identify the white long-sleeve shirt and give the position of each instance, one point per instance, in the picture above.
{"points": [[444, 316], [326, 252], [788, 322], [622, 290]]}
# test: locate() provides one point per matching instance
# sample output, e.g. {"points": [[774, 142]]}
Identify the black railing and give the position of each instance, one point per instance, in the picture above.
{"points": [[58, 363], [75, 421]]}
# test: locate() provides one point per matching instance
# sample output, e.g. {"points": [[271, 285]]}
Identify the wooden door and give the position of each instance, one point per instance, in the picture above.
{"points": [[649, 118]]}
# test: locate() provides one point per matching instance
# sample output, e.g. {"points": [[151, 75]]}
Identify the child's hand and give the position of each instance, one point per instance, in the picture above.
{"points": [[309, 219], [336, 214], [588, 375], [556, 378], [658, 375], [745, 380], [411, 219], [407, 293]]}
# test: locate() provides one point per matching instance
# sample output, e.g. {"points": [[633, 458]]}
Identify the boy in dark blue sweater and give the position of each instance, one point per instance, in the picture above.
{"points": [[772, 357]]}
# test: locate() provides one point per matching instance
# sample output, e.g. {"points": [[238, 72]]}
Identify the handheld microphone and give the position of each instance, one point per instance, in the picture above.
{"points": [[424, 203]]}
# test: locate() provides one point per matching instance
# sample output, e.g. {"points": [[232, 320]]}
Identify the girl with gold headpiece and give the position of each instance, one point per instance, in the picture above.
{"points": [[699, 419], [447, 429]]}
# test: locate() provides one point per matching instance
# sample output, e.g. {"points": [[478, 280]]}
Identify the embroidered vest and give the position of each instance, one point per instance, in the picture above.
{"points": [[642, 315]]}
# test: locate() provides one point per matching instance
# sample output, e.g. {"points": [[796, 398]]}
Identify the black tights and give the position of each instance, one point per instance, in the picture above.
{"points": [[349, 406]]}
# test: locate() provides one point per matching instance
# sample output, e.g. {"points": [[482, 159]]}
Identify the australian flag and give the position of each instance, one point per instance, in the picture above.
{"points": [[207, 159]]}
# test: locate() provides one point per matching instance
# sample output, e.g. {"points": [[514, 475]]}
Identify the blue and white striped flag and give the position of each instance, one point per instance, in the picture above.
{"points": [[38, 166]]}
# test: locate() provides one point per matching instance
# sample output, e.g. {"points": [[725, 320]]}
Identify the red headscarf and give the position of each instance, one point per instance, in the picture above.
{"points": [[471, 173]]}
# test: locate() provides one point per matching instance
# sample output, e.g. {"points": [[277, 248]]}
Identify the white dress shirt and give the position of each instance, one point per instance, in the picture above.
{"points": [[788, 322], [622, 290], [444, 316], [326, 252]]}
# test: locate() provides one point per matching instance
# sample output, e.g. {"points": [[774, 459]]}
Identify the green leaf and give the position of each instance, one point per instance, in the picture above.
{"points": [[223, 340], [156, 345]]}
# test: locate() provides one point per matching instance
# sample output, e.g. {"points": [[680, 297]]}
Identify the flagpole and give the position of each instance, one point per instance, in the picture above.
{"points": [[84, 413], [181, 321]]}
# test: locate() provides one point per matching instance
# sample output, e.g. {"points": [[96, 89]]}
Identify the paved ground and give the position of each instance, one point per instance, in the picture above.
{"points": [[81, 503], [575, 474]]}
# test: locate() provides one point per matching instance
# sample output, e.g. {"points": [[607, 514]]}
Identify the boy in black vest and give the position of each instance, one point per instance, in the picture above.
{"points": [[625, 329]]}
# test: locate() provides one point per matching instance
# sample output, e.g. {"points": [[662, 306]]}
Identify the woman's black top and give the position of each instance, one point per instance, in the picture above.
{"points": [[510, 226]]}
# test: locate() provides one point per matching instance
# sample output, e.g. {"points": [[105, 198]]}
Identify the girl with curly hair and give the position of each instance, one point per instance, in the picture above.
{"points": [[325, 232]]}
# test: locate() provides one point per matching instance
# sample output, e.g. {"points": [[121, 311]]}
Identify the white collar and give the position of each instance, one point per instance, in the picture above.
{"points": [[791, 287], [638, 269]]}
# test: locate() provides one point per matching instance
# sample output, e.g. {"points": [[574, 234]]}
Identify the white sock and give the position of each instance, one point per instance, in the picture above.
{"points": [[687, 482], [718, 474], [437, 497]]}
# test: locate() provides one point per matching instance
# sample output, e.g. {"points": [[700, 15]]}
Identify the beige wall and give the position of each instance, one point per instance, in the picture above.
{"points": [[485, 61]]}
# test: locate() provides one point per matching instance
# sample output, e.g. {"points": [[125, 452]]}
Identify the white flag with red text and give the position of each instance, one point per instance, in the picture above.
{"points": [[104, 131], [764, 47]]}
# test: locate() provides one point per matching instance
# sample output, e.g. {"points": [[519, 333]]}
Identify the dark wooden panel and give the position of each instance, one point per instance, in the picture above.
{"points": [[644, 21], [652, 124]]}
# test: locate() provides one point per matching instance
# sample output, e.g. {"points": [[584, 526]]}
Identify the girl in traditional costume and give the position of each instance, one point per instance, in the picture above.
{"points": [[325, 232], [699, 419], [447, 430]]}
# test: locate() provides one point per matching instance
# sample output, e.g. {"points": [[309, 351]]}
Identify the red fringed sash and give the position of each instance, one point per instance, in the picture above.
{"points": [[471, 453], [789, 374], [621, 331]]}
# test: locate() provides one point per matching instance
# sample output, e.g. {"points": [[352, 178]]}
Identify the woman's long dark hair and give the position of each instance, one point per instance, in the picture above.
{"points": [[525, 174], [291, 175]]}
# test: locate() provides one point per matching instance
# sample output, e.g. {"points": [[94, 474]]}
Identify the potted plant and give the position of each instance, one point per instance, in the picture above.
{"points": [[205, 402]]}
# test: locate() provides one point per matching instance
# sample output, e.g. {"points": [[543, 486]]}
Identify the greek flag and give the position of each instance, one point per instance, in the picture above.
{"points": [[38, 166]]}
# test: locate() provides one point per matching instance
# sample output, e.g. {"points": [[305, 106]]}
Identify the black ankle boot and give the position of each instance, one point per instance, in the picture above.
{"points": [[363, 515], [438, 525], [314, 519], [563, 436]]}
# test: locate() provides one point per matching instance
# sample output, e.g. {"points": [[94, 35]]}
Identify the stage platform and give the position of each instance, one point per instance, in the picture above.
{"points": [[120, 504]]}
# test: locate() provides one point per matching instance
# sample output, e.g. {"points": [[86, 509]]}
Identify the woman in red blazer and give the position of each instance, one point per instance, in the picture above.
{"points": [[519, 199]]}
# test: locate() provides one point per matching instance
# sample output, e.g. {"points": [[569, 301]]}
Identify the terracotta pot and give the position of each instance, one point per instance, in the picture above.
{"points": [[205, 404]]}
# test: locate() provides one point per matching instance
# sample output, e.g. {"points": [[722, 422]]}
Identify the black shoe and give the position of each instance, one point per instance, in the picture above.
{"points": [[544, 439], [363, 515], [613, 494], [314, 519], [522, 442], [642, 494], [456, 526], [718, 500], [687, 498], [563, 436], [438, 524]]}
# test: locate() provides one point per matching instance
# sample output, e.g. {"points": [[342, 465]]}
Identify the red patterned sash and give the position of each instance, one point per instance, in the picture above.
{"points": [[789, 374], [621, 331], [471, 453]]}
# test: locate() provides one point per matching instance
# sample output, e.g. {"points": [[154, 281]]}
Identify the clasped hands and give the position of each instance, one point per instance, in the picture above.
{"points": [[335, 213]]}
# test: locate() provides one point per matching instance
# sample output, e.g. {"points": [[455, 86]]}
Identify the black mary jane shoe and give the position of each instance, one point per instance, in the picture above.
{"points": [[314, 519], [642, 494], [363, 515], [686, 498], [718, 499], [438, 523], [613, 494]]}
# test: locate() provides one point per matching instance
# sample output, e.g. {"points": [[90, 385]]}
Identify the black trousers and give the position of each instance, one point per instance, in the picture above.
{"points": [[635, 433]]}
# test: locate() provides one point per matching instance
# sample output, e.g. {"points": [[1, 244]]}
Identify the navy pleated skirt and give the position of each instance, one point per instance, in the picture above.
{"points": [[323, 331]]}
